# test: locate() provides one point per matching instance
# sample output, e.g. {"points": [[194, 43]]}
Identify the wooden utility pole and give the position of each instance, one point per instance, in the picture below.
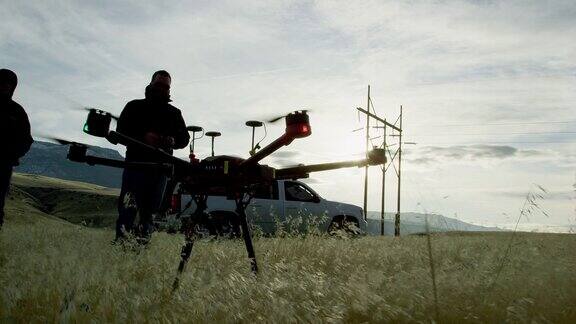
{"points": [[397, 218], [399, 152], [367, 148], [383, 186], [386, 124]]}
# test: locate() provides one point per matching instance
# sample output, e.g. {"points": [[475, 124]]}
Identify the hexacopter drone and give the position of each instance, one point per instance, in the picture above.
{"points": [[200, 178]]}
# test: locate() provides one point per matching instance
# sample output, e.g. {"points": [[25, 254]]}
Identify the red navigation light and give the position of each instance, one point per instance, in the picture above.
{"points": [[298, 130], [298, 125], [175, 203]]}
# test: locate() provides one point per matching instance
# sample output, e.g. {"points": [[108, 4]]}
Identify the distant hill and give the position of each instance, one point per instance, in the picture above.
{"points": [[37, 198], [49, 160], [412, 223]]}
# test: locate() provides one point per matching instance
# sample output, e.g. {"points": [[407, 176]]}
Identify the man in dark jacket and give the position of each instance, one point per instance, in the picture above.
{"points": [[153, 121], [14, 133]]}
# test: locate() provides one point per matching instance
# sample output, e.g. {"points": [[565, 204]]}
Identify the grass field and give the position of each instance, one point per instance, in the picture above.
{"points": [[52, 272], [55, 271]]}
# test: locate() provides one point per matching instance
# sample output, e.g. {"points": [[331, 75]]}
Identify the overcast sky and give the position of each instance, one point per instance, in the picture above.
{"points": [[488, 87]]}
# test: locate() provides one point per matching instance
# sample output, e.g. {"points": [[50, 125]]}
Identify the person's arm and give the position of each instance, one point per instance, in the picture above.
{"points": [[128, 123], [181, 135], [24, 136], [123, 124]]}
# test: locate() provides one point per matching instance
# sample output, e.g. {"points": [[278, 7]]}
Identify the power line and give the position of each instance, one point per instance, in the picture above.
{"points": [[510, 133], [502, 142], [498, 124]]}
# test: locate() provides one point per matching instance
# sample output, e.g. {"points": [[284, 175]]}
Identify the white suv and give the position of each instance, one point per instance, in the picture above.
{"points": [[293, 205]]}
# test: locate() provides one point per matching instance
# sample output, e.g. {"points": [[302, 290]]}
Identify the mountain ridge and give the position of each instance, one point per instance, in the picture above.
{"points": [[413, 223], [49, 159]]}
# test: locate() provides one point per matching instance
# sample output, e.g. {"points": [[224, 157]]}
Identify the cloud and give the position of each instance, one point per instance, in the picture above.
{"points": [[551, 159], [447, 62], [531, 153], [285, 163], [422, 160], [522, 194], [471, 152], [285, 154]]}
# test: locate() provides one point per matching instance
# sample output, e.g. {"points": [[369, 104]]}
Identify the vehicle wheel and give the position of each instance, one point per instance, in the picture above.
{"points": [[226, 225], [344, 226]]}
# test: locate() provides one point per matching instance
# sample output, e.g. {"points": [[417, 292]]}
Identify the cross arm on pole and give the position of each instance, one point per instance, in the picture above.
{"points": [[379, 119]]}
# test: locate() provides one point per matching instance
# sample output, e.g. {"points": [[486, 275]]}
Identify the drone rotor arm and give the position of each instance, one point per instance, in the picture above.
{"points": [[306, 169], [268, 149], [78, 154], [375, 157]]}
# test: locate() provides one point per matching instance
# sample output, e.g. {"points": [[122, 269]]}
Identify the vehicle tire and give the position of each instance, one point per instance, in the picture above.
{"points": [[344, 226], [225, 224], [201, 227]]}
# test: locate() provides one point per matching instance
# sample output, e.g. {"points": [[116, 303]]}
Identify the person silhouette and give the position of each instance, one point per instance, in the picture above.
{"points": [[154, 121], [14, 133]]}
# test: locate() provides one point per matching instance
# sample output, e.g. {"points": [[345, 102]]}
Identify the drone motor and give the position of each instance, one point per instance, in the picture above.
{"points": [[377, 156], [98, 123], [298, 124], [77, 152]]}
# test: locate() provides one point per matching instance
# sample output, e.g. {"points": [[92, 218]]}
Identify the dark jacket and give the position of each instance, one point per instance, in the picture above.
{"points": [[147, 115], [14, 132]]}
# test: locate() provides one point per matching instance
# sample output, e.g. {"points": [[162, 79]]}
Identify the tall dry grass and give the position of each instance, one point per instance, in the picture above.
{"points": [[57, 272]]}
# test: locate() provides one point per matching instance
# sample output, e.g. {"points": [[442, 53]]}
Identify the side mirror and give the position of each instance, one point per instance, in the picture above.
{"points": [[316, 199]]}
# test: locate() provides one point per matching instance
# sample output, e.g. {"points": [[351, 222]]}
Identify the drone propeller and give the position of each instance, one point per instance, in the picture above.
{"points": [[63, 141], [277, 118], [96, 109]]}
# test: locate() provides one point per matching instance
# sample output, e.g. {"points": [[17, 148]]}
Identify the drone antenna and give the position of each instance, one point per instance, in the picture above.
{"points": [[212, 135], [254, 124], [194, 130]]}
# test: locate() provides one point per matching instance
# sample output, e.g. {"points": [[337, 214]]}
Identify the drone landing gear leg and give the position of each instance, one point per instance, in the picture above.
{"points": [[241, 211], [189, 229]]}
